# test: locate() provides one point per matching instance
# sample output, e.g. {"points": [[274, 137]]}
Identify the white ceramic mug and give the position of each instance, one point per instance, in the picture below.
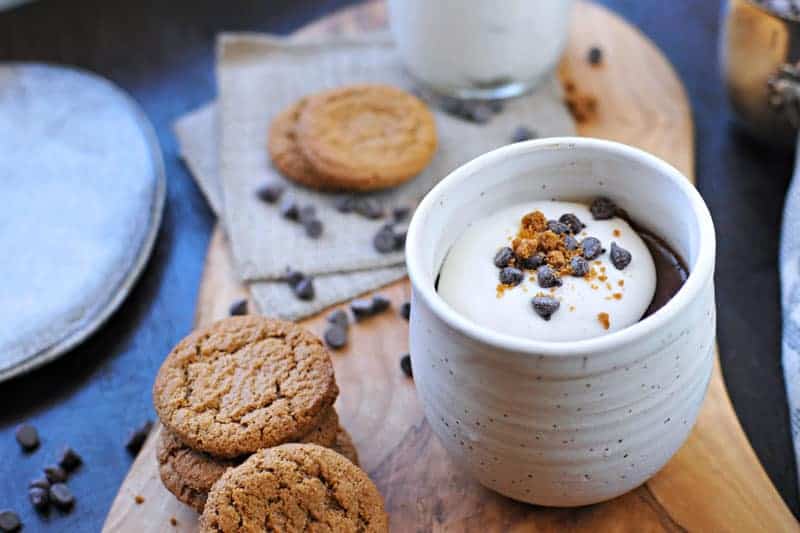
{"points": [[563, 423], [480, 48]]}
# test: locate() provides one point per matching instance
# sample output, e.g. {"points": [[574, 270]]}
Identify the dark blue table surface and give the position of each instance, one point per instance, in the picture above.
{"points": [[162, 53]]}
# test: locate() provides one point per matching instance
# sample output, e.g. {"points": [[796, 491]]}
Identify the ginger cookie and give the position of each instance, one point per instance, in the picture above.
{"points": [[285, 152], [244, 383], [294, 487], [189, 474], [366, 137], [344, 445], [186, 473]]}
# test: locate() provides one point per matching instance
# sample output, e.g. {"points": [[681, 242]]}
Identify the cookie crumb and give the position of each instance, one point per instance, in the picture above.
{"points": [[139, 499], [173, 521], [604, 320]]}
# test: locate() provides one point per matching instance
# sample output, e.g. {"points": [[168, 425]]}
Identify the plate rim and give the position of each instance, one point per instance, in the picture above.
{"points": [[73, 338]]}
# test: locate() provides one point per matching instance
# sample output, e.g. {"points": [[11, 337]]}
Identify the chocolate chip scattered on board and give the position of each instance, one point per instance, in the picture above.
{"points": [[27, 437], [55, 474], [61, 496], [405, 310], [335, 336], [69, 459], [270, 192], [339, 317], [239, 307], [9, 521], [39, 498], [405, 365]]}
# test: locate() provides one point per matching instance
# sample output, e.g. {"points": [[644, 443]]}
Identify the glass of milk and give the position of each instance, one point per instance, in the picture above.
{"points": [[480, 48]]}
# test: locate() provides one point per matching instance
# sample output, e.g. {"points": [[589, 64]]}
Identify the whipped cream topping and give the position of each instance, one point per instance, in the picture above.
{"points": [[606, 300]]}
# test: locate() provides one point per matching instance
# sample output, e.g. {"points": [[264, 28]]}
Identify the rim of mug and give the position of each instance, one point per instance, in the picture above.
{"points": [[699, 274]]}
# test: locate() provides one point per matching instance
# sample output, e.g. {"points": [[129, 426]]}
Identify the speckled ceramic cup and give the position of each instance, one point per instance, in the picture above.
{"points": [[563, 423]]}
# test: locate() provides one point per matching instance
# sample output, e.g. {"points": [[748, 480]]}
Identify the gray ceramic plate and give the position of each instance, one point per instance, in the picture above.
{"points": [[82, 190]]}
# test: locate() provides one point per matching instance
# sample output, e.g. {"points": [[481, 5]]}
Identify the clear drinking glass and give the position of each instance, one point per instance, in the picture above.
{"points": [[480, 48]]}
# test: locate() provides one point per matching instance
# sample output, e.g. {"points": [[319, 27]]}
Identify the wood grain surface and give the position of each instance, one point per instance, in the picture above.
{"points": [[714, 482]]}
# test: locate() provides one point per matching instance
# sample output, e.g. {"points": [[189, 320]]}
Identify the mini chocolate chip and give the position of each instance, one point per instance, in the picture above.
{"points": [[620, 257], [592, 248], [39, 498], [335, 336], [511, 276], [532, 262], [400, 232], [545, 306], [304, 290], [400, 213], [293, 277], [503, 257], [405, 310], [313, 228], [55, 474], [9, 521], [385, 240], [570, 242], [595, 55], [523, 133], [344, 204], [27, 437], [137, 437], [579, 266], [453, 106], [238, 308], [471, 110], [306, 213], [557, 227], [361, 309], [339, 317], [289, 209], [573, 222], [547, 277], [496, 106], [61, 496], [270, 192], [405, 366], [380, 304], [480, 113], [603, 208], [69, 460], [368, 208], [41, 483]]}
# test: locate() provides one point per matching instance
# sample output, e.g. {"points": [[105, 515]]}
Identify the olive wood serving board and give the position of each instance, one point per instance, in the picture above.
{"points": [[713, 483]]}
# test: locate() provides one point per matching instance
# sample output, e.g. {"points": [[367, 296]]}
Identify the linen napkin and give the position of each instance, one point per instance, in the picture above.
{"points": [[789, 264], [259, 76], [196, 133]]}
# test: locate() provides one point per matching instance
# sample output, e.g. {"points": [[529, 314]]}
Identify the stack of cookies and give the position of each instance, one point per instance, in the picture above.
{"points": [[229, 396], [353, 138]]}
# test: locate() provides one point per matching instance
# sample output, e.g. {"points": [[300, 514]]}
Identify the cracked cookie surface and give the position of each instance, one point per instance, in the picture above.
{"points": [[294, 487], [366, 137], [189, 474], [244, 383]]}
